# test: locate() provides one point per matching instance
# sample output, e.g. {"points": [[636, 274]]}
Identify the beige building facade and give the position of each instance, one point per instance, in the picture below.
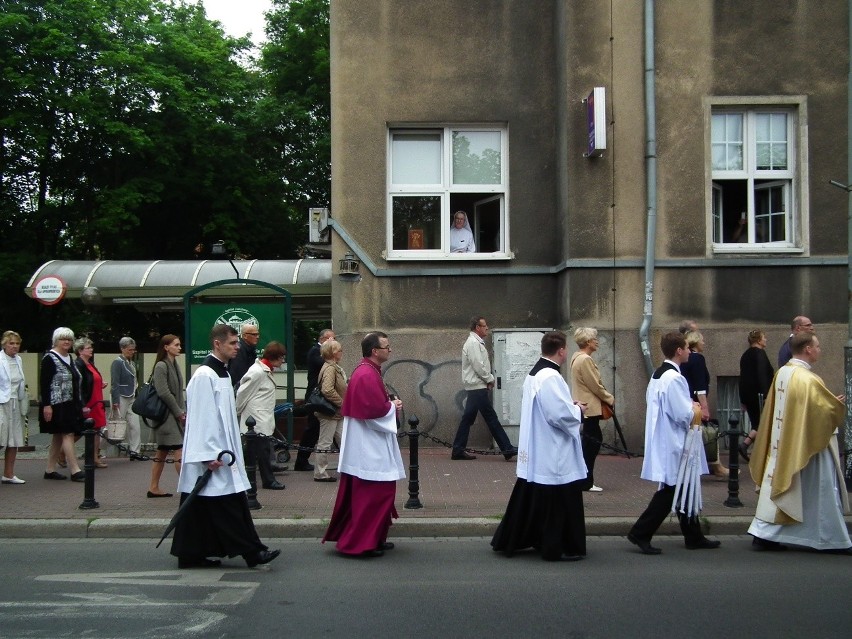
{"points": [[447, 105]]}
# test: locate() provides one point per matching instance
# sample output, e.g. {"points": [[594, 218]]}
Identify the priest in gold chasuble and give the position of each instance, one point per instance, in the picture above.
{"points": [[795, 462]]}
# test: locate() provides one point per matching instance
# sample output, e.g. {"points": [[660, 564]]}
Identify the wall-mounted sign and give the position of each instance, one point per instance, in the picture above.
{"points": [[596, 119], [49, 290]]}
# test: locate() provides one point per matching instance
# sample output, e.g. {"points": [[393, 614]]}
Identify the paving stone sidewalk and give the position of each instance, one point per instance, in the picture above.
{"points": [[458, 498]]}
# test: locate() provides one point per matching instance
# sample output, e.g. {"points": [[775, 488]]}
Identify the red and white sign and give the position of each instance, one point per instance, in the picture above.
{"points": [[49, 290]]}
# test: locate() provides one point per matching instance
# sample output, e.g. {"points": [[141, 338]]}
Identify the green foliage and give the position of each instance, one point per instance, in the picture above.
{"points": [[136, 129]]}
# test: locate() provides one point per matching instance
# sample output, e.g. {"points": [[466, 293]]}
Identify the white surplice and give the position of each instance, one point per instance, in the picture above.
{"points": [[211, 427]]}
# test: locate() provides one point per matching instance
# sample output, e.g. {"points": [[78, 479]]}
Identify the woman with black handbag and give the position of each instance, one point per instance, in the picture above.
{"points": [[168, 436], [332, 384]]}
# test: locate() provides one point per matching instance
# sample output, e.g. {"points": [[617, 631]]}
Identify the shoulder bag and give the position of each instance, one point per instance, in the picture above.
{"points": [[149, 406], [318, 403]]}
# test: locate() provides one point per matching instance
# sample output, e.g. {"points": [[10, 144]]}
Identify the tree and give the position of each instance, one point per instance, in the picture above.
{"points": [[297, 105], [129, 129]]}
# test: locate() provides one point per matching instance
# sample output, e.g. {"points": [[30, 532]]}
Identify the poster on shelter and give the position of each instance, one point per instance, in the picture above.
{"points": [[269, 316]]}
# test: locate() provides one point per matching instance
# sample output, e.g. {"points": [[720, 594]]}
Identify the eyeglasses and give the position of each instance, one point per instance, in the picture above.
{"points": [[382, 348], [251, 334]]}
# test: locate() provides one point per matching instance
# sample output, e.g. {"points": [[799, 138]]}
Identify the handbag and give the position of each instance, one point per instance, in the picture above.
{"points": [[116, 428], [149, 406], [606, 411], [320, 404]]}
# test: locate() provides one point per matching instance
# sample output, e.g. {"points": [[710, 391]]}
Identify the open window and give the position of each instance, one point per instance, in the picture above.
{"points": [[757, 178], [436, 172]]}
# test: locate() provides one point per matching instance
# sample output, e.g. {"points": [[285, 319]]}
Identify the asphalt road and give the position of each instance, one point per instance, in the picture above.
{"points": [[423, 588]]}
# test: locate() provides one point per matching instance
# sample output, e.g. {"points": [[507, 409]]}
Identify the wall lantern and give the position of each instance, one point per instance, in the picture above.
{"points": [[349, 268]]}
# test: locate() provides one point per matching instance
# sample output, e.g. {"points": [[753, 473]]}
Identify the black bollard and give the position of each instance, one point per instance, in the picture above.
{"points": [[733, 500], [89, 466], [413, 465], [250, 454]]}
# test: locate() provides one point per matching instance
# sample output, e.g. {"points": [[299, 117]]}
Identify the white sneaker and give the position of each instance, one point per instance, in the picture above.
{"points": [[12, 480], [595, 489]]}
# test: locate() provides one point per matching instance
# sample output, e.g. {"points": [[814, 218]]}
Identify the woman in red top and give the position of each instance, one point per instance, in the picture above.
{"points": [[92, 390]]}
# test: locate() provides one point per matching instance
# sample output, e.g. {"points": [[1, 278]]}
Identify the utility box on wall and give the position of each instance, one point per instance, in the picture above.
{"points": [[318, 226], [516, 350]]}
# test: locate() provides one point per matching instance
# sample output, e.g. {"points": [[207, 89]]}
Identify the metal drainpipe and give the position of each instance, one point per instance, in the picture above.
{"points": [[650, 185]]}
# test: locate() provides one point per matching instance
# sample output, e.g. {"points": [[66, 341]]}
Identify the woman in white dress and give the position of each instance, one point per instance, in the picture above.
{"points": [[461, 235], [14, 403]]}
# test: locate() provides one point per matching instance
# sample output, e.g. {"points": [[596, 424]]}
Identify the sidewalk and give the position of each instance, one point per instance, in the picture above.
{"points": [[460, 498]]}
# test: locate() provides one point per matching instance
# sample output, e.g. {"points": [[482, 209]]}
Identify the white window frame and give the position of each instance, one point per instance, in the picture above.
{"points": [[445, 190], [796, 194]]}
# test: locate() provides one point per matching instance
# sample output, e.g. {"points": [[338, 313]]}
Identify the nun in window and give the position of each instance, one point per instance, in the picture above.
{"points": [[461, 235]]}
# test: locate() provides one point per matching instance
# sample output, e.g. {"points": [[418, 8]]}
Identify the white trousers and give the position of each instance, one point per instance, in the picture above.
{"points": [[329, 429], [134, 434]]}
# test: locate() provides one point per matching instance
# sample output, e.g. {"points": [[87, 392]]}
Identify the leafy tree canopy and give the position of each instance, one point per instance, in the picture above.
{"points": [[136, 129]]}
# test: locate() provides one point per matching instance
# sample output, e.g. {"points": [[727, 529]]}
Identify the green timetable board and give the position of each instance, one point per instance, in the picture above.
{"points": [[269, 316]]}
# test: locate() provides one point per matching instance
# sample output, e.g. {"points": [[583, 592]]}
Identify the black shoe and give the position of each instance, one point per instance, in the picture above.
{"points": [[155, 495], [509, 454], [765, 545], [278, 468], [305, 466], [462, 456], [54, 475], [377, 552], [198, 563], [644, 546], [80, 475], [274, 485], [385, 545], [325, 479], [743, 448], [703, 544], [261, 557], [135, 456]]}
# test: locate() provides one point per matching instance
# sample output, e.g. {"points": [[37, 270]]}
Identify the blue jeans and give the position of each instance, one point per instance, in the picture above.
{"points": [[478, 401]]}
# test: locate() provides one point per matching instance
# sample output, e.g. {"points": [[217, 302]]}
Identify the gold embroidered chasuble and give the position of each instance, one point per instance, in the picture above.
{"points": [[798, 421]]}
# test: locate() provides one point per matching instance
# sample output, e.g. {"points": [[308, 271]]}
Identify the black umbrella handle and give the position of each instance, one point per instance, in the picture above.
{"points": [[227, 452]]}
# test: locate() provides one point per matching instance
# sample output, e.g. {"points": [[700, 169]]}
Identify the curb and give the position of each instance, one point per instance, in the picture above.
{"points": [[107, 528]]}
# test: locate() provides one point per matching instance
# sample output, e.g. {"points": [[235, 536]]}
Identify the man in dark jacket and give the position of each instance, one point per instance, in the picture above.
{"points": [[246, 356]]}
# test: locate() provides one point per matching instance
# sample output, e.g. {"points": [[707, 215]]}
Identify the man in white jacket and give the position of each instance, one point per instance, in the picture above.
{"points": [[478, 381], [669, 415]]}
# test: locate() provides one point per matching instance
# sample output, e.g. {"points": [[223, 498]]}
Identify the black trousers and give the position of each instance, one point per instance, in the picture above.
{"points": [[655, 514], [591, 442], [310, 436], [264, 461]]}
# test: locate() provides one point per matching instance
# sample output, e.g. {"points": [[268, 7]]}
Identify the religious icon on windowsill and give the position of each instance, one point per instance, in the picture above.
{"points": [[415, 239]]}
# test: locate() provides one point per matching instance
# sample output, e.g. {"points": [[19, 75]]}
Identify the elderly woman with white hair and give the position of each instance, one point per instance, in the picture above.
{"points": [[61, 408], [587, 387]]}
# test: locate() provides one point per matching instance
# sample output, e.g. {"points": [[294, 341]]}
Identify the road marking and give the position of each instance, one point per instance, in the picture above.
{"points": [[227, 593]]}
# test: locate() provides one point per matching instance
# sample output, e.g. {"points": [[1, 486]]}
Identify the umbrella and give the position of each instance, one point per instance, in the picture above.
{"points": [[620, 434], [200, 483], [687, 499]]}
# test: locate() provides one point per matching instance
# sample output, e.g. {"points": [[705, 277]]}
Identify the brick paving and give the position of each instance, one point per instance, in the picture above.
{"points": [[448, 489]]}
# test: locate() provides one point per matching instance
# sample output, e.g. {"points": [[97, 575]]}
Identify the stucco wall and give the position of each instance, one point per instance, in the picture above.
{"points": [[529, 64]]}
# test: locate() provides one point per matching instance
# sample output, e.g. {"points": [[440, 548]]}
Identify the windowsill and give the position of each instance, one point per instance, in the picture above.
{"points": [[435, 256], [755, 249]]}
